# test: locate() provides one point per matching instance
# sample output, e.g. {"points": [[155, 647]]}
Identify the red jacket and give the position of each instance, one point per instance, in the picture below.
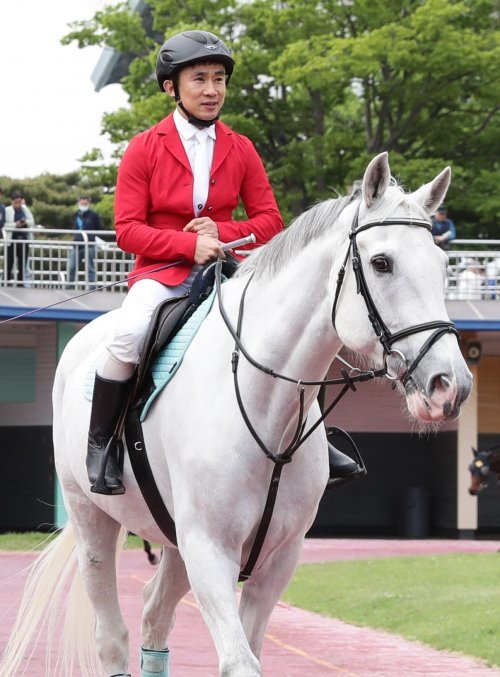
{"points": [[154, 198]]}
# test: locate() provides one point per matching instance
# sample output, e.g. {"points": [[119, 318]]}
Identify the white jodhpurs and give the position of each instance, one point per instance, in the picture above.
{"points": [[123, 351]]}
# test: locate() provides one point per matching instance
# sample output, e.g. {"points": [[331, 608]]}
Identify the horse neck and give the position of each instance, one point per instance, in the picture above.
{"points": [[288, 317]]}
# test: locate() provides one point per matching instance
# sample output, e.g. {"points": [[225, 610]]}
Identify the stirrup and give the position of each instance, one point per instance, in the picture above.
{"points": [[357, 474], [100, 486], [338, 481]]}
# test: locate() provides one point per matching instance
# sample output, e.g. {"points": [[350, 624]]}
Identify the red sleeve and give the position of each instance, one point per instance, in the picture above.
{"points": [[264, 219], [133, 232]]}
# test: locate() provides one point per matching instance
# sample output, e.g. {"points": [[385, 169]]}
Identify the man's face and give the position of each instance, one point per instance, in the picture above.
{"points": [[83, 205], [202, 89], [441, 216], [17, 202]]}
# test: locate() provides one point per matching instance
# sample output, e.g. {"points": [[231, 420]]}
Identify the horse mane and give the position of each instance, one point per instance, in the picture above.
{"points": [[309, 226]]}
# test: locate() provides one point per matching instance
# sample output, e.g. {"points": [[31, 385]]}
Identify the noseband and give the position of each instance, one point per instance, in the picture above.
{"points": [[383, 333]]}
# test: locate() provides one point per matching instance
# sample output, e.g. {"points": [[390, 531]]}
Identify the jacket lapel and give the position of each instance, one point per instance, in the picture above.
{"points": [[223, 145], [172, 141]]}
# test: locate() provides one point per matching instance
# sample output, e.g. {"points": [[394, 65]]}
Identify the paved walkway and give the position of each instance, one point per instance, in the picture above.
{"points": [[297, 642]]}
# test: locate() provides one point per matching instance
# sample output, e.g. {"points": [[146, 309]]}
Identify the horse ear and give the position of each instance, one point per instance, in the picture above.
{"points": [[474, 451], [376, 179], [432, 194]]}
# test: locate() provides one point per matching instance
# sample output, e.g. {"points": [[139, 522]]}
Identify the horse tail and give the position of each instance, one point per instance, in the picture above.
{"points": [[54, 584]]}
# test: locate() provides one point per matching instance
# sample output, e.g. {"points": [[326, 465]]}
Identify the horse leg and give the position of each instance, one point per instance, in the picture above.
{"points": [[161, 596], [262, 592], [96, 536], [213, 573]]}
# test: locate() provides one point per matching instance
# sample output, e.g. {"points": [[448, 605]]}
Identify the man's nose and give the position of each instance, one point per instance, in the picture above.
{"points": [[210, 87]]}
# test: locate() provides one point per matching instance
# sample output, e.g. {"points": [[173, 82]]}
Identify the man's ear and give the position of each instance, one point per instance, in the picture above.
{"points": [[168, 86]]}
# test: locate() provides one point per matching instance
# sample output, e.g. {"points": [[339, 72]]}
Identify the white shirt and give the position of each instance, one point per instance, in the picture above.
{"points": [[187, 132]]}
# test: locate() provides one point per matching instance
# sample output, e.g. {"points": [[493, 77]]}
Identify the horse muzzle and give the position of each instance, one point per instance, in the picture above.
{"points": [[440, 399]]}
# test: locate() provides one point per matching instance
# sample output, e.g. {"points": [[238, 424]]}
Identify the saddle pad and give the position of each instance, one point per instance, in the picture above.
{"points": [[168, 359]]}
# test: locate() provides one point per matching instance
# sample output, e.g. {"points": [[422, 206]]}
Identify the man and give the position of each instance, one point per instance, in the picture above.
{"points": [[443, 228], [178, 185], [84, 219], [2, 210], [17, 219]]}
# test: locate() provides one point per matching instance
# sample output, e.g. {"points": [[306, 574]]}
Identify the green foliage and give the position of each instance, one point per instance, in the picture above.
{"points": [[322, 87], [450, 601], [53, 198]]}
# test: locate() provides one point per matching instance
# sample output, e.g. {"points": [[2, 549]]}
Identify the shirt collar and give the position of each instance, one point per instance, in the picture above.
{"points": [[187, 131]]}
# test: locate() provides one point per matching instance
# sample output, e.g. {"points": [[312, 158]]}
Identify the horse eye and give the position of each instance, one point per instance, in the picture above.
{"points": [[381, 264]]}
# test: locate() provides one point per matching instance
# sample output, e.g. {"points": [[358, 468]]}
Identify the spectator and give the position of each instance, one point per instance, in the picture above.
{"points": [[2, 210], [84, 219], [443, 228], [17, 219]]}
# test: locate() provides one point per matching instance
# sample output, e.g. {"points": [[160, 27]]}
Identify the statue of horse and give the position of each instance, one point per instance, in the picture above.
{"points": [[360, 271], [485, 463]]}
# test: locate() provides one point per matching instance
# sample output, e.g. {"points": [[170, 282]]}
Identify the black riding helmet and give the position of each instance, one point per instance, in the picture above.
{"points": [[188, 48]]}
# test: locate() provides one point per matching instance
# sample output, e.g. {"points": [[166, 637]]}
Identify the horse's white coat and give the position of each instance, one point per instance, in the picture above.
{"points": [[212, 475]]}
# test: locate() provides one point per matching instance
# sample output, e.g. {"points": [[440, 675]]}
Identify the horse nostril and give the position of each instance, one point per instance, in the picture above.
{"points": [[439, 383]]}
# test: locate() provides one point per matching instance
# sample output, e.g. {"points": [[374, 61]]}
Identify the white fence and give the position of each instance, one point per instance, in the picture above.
{"points": [[51, 256], [473, 272]]}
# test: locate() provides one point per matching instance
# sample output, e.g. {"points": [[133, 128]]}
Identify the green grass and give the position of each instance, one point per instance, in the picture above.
{"points": [[33, 540], [450, 602]]}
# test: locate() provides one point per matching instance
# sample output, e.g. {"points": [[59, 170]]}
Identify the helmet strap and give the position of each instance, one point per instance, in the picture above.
{"points": [[193, 120]]}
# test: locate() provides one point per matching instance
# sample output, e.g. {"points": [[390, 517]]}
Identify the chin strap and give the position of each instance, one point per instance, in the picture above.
{"points": [[192, 119]]}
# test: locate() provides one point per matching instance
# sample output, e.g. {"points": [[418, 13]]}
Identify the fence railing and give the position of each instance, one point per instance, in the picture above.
{"points": [[474, 270], [54, 261]]}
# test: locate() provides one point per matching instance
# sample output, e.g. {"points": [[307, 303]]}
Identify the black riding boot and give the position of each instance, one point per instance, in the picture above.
{"points": [[342, 468], [107, 404]]}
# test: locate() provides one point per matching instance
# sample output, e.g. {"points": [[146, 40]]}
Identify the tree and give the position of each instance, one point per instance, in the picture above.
{"points": [[321, 87], [53, 198]]}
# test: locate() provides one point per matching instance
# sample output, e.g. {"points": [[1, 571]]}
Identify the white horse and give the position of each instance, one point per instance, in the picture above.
{"points": [[212, 474]]}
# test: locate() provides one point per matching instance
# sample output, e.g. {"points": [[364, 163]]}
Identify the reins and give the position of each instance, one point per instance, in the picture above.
{"points": [[250, 239], [347, 380], [384, 335]]}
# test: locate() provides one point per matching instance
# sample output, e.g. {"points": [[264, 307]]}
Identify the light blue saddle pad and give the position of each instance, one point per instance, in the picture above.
{"points": [[169, 358]]}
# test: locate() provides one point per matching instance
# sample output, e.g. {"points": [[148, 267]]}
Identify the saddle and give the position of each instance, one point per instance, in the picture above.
{"points": [[167, 320], [169, 317]]}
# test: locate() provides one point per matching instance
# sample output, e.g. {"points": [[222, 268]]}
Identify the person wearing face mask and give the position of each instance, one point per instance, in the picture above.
{"points": [[84, 219]]}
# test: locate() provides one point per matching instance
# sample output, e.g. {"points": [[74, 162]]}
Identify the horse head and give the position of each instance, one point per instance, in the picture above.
{"points": [[484, 463], [391, 308]]}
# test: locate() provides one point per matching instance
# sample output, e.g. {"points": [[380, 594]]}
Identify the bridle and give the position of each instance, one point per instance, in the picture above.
{"points": [[348, 380], [383, 333]]}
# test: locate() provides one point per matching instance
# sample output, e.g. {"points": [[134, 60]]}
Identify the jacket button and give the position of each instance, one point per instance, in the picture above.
{"points": [[212, 182], [210, 209]]}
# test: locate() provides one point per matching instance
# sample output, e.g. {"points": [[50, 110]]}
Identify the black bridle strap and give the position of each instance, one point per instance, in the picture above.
{"points": [[445, 329], [383, 333], [347, 380]]}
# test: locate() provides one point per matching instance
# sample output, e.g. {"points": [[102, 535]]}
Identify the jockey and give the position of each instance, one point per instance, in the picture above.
{"points": [[178, 184]]}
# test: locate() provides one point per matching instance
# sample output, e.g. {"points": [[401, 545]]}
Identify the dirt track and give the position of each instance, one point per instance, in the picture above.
{"points": [[297, 643]]}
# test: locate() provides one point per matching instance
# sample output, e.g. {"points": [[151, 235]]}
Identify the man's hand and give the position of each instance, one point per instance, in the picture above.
{"points": [[202, 226], [207, 249]]}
